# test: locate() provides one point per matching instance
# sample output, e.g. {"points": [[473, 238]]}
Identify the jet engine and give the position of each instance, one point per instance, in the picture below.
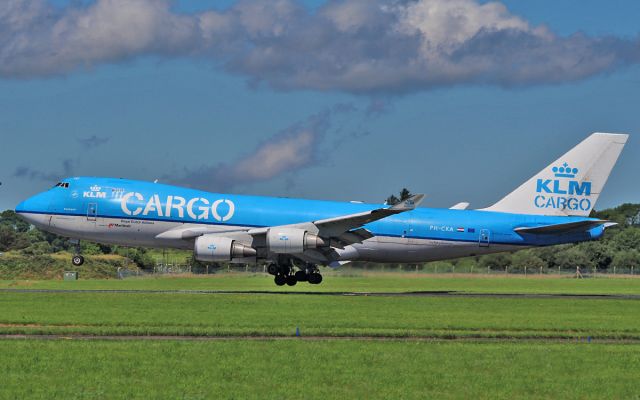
{"points": [[292, 240], [217, 248]]}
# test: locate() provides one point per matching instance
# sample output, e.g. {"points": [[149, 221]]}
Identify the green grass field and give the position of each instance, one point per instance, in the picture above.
{"points": [[280, 315], [503, 347], [235, 369]]}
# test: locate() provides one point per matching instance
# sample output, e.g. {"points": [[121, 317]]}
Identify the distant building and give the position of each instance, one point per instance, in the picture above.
{"points": [[634, 220]]}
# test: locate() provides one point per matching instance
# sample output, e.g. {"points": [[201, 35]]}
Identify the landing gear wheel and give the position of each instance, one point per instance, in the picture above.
{"points": [[291, 280], [301, 276], [272, 269], [315, 278], [280, 280], [77, 260]]}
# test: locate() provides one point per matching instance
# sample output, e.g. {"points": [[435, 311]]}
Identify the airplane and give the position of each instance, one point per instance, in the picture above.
{"points": [[295, 236]]}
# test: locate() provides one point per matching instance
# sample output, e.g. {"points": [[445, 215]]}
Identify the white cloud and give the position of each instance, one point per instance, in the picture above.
{"points": [[358, 46], [286, 153]]}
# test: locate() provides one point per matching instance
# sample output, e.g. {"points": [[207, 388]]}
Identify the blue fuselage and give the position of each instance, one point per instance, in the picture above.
{"points": [[133, 212]]}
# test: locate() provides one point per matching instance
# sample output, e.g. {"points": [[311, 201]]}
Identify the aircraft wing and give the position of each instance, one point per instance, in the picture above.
{"points": [[336, 226], [345, 230], [567, 227]]}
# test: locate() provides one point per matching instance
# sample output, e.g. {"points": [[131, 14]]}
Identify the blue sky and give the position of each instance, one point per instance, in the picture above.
{"points": [[113, 96]]}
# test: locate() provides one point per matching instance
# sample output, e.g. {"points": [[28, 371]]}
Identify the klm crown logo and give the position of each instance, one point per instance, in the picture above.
{"points": [[564, 171]]}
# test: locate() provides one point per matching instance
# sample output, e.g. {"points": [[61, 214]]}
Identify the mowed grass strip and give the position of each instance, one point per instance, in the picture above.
{"points": [[236, 369], [345, 281], [281, 315]]}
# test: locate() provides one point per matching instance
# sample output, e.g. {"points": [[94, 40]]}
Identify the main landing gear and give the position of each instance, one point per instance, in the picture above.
{"points": [[77, 259], [283, 274]]}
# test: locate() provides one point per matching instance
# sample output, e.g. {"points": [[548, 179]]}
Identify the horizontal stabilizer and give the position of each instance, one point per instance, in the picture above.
{"points": [[563, 228]]}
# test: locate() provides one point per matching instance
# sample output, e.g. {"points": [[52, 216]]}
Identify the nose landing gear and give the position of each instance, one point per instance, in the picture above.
{"points": [[77, 259]]}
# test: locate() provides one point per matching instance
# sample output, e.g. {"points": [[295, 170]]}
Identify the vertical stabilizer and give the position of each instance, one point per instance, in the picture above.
{"points": [[572, 184]]}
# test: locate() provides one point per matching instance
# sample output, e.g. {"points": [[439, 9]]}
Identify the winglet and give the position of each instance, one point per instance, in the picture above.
{"points": [[408, 204]]}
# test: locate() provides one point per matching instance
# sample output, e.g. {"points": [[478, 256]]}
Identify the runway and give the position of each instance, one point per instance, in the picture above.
{"points": [[355, 294]]}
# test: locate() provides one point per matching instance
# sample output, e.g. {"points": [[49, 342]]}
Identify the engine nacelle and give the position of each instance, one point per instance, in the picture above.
{"points": [[292, 240], [217, 248]]}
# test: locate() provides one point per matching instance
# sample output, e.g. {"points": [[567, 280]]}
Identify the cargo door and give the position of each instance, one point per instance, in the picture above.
{"points": [[92, 212], [485, 238]]}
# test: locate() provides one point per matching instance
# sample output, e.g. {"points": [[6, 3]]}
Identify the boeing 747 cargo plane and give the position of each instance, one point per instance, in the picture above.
{"points": [[295, 236]]}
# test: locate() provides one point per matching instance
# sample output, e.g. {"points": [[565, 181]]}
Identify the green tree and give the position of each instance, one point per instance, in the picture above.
{"points": [[600, 253], [573, 257], [10, 218], [528, 259], [626, 239], [619, 214], [627, 259], [496, 261], [7, 237], [403, 195]]}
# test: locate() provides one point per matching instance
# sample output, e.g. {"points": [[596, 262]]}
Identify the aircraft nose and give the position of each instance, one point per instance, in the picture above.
{"points": [[33, 209]]}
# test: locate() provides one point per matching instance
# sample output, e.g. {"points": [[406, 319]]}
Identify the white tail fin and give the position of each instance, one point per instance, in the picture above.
{"points": [[572, 184]]}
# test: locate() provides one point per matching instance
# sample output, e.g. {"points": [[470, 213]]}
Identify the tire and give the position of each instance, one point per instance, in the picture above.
{"points": [[272, 269], [291, 280], [77, 260], [280, 280], [315, 278], [301, 276]]}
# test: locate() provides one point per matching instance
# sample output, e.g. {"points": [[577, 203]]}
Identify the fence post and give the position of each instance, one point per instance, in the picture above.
{"points": [[525, 270]]}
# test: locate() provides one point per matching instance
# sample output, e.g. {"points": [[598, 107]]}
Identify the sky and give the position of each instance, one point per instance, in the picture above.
{"points": [[462, 100]]}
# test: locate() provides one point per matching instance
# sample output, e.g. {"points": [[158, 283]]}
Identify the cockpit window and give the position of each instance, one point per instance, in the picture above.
{"points": [[62, 184]]}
